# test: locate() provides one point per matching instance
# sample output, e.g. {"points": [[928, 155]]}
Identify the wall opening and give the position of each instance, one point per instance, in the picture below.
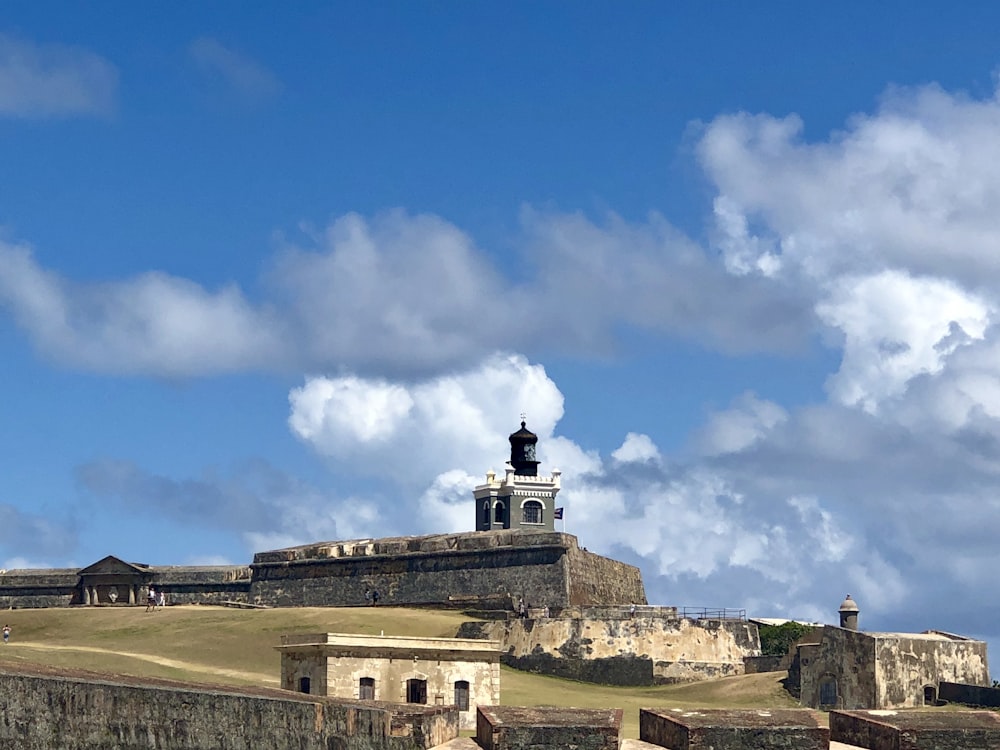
{"points": [[416, 691], [498, 512], [930, 696], [462, 695], [366, 689], [532, 512], [828, 691], [305, 684]]}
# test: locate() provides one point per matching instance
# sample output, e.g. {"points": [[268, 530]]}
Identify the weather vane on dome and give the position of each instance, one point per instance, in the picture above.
{"points": [[524, 417]]}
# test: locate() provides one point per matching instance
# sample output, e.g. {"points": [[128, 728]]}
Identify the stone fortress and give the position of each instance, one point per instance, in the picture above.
{"points": [[590, 621]]}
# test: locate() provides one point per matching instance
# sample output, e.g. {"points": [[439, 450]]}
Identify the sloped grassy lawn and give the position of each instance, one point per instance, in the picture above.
{"points": [[231, 646]]}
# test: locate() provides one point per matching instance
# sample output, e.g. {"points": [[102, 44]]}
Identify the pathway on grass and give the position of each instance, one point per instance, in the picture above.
{"points": [[255, 677]]}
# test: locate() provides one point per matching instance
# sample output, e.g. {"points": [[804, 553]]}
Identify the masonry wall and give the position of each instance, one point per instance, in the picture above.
{"points": [[649, 648], [594, 579], [42, 713], [439, 570], [905, 666], [848, 656], [38, 588], [340, 677], [970, 695]]}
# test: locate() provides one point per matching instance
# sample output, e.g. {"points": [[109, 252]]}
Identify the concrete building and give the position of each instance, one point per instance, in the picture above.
{"points": [[427, 671], [521, 499], [852, 669]]}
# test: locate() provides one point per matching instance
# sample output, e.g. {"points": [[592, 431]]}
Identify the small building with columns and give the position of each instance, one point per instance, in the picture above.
{"points": [[520, 499]]}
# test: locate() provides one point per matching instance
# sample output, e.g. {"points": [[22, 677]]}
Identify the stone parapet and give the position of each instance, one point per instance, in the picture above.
{"points": [[916, 730], [734, 729], [41, 712], [544, 727]]}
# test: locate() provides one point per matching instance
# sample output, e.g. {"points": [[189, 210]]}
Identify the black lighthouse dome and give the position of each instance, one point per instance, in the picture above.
{"points": [[522, 452]]}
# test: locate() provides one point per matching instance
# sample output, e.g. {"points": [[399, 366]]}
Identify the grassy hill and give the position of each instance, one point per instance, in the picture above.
{"points": [[236, 647]]}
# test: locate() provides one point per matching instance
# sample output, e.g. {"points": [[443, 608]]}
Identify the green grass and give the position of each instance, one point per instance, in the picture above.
{"points": [[231, 646]]}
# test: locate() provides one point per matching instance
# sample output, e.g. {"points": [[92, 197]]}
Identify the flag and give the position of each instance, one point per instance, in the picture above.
{"points": [[558, 514]]}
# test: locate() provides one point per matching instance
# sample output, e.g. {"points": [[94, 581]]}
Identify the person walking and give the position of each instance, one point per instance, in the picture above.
{"points": [[6, 633]]}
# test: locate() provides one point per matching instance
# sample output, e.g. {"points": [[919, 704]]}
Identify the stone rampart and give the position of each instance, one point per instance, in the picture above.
{"points": [[41, 712], [652, 647], [54, 587], [468, 570]]}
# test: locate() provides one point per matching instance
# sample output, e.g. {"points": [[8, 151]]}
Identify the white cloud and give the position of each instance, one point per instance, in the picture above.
{"points": [[636, 448], [53, 80], [896, 327], [426, 428], [247, 77], [153, 323], [407, 296], [736, 429]]}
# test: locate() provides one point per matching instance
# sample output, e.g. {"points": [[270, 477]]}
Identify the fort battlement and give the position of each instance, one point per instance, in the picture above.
{"points": [[467, 570]]}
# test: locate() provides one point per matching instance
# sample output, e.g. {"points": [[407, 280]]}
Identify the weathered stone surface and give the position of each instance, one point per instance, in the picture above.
{"points": [[335, 663], [654, 646], [736, 729], [42, 712], [851, 669], [433, 570], [917, 730], [545, 727], [970, 695]]}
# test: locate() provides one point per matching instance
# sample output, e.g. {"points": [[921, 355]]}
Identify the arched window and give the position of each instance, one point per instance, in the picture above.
{"points": [[498, 512], [486, 512], [366, 689], [462, 695], [532, 510], [416, 691]]}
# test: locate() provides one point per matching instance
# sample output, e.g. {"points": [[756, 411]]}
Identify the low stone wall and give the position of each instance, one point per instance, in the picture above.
{"points": [[542, 728], [733, 729], [652, 647], [916, 730], [970, 695], [39, 712]]}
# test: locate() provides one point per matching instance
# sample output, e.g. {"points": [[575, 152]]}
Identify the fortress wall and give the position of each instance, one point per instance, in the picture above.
{"points": [[425, 579], [444, 570], [37, 588], [600, 580], [208, 585], [40, 713], [644, 650]]}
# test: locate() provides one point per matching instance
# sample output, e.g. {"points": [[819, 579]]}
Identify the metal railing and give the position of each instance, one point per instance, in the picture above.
{"points": [[706, 613]]}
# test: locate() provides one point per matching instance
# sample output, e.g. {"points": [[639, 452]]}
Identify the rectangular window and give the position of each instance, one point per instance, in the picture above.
{"points": [[416, 691], [366, 689], [462, 695]]}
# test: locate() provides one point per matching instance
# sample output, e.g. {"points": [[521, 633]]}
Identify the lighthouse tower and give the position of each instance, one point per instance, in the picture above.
{"points": [[520, 499]]}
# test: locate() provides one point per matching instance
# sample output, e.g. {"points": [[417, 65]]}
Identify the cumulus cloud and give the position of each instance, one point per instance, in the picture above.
{"points": [[243, 75], [53, 80], [404, 295], [427, 428], [154, 323]]}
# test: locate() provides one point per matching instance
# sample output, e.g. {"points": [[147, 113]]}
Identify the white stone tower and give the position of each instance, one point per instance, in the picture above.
{"points": [[520, 499]]}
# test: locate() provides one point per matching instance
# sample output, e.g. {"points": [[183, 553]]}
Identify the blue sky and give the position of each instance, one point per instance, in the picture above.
{"points": [[272, 274]]}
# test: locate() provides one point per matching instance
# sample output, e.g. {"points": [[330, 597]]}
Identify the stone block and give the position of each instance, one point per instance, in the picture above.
{"points": [[543, 727], [734, 729], [917, 730]]}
